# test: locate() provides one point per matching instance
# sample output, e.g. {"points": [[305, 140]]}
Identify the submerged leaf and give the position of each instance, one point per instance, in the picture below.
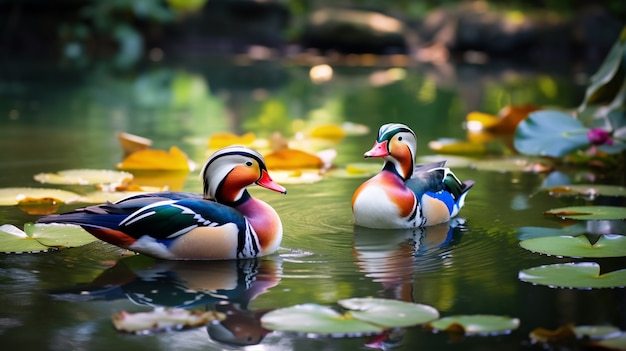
{"points": [[457, 147], [85, 177], [578, 246], [13, 196], [162, 319], [583, 275], [476, 324], [512, 164], [616, 343], [589, 212]]}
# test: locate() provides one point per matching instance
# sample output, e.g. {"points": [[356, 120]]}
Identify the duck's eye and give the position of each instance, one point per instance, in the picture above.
{"points": [[249, 163], [399, 138]]}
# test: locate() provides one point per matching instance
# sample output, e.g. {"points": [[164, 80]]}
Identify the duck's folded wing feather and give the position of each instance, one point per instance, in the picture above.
{"points": [[170, 218]]}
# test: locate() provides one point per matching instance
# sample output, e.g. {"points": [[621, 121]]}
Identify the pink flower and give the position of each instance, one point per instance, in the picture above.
{"points": [[599, 136]]}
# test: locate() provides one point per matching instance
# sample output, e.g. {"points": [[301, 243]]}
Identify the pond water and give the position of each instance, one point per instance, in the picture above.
{"points": [[56, 117]]}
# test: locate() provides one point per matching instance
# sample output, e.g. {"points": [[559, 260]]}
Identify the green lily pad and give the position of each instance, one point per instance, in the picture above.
{"points": [[590, 191], [578, 246], [582, 275], [525, 233], [14, 240], [12, 196], [513, 164], [389, 313], [596, 332], [42, 237], [313, 319], [363, 316], [84, 177], [616, 343], [59, 235], [589, 212], [479, 324]]}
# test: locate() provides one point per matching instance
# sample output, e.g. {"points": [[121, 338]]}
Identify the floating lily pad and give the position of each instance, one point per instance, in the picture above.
{"points": [[457, 147], [364, 316], [162, 319], [41, 237], [13, 196], [583, 275], [616, 343], [389, 313], [356, 170], [589, 212], [479, 324], [15, 240], [550, 133], [590, 191], [84, 177], [59, 235], [516, 164], [596, 332], [525, 233], [578, 246], [313, 319]]}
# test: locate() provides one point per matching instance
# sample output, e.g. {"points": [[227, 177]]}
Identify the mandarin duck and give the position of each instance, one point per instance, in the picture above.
{"points": [[403, 195], [226, 222]]}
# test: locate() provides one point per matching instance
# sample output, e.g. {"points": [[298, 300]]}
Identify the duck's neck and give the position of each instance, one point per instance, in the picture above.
{"points": [[263, 219], [396, 168]]}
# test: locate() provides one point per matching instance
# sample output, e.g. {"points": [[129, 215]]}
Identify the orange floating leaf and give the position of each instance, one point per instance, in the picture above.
{"points": [[220, 140], [510, 116], [39, 206], [292, 159], [150, 159], [131, 143]]}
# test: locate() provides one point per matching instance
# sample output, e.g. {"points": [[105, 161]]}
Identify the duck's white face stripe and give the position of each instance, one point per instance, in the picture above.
{"points": [[222, 162]]}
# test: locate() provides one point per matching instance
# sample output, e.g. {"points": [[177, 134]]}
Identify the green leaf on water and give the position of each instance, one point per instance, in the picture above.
{"points": [[589, 212], [582, 275], [550, 133], [317, 320], [525, 233], [389, 313], [578, 246], [512, 164], [42, 237], [616, 343], [479, 324], [362, 316], [85, 177], [59, 235], [590, 191], [596, 332], [14, 240]]}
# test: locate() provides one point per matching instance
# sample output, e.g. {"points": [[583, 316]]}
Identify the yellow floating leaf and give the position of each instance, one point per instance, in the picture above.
{"points": [[292, 159], [480, 121], [39, 206], [456, 147], [220, 140], [131, 143], [13, 196], [150, 159], [328, 131]]}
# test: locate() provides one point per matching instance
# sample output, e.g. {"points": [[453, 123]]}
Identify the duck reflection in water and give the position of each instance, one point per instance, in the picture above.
{"points": [[226, 286], [392, 257]]}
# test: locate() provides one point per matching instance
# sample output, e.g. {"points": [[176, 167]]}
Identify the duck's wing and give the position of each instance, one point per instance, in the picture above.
{"points": [[435, 177], [160, 217], [170, 219]]}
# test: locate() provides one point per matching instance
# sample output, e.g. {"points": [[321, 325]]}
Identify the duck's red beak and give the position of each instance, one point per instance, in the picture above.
{"points": [[267, 182], [378, 150]]}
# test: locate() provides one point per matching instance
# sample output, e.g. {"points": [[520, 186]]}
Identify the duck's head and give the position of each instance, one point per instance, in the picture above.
{"points": [[397, 144], [229, 171]]}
